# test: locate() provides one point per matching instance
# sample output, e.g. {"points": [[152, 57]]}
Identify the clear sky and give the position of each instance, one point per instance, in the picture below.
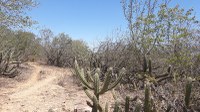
{"points": [[89, 20]]}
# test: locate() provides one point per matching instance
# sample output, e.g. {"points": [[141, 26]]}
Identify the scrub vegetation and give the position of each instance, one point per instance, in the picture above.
{"points": [[152, 67]]}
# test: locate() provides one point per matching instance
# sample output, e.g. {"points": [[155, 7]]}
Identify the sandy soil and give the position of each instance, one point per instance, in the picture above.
{"points": [[47, 89]]}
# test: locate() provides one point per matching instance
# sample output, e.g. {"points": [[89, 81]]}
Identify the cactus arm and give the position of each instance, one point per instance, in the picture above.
{"points": [[82, 78], [106, 83], [95, 104], [87, 93], [90, 76], [96, 85], [118, 80], [80, 73]]}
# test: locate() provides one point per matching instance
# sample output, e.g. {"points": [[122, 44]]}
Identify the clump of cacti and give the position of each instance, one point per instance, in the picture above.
{"points": [[150, 103], [126, 109], [94, 84], [5, 64]]}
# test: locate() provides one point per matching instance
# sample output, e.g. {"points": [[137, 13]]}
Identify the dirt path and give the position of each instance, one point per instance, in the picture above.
{"points": [[48, 89], [27, 87]]}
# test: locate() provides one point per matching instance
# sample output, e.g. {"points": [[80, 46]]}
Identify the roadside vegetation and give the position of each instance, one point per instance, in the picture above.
{"points": [[153, 66]]}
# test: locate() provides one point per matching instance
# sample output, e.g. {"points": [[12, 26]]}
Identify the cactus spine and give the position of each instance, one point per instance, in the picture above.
{"points": [[94, 85]]}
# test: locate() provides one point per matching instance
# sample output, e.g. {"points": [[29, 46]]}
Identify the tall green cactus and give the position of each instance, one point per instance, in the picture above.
{"points": [[94, 85], [188, 90], [149, 105], [147, 99], [127, 104]]}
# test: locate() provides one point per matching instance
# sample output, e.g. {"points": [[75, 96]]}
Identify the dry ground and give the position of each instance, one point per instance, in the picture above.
{"points": [[41, 88]]}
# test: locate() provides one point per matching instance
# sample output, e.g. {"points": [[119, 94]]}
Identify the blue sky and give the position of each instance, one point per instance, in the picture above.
{"points": [[89, 20]]}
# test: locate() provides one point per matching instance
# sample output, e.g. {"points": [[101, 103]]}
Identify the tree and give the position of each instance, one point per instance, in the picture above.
{"points": [[155, 28], [81, 51], [13, 13], [26, 44], [57, 49]]}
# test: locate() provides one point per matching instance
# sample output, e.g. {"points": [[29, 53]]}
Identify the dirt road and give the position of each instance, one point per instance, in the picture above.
{"points": [[48, 89]]}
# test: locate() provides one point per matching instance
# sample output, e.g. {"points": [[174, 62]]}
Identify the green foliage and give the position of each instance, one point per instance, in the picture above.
{"points": [[156, 29], [23, 44], [80, 50], [27, 45]]}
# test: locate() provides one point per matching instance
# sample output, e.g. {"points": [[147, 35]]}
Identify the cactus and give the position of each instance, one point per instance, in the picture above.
{"points": [[188, 90], [5, 62], [149, 105], [94, 85], [116, 108], [147, 99], [144, 63], [150, 68], [127, 104]]}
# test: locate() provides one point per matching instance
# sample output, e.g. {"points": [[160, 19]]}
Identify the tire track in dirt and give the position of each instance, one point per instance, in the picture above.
{"points": [[32, 80], [36, 94], [33, 84], [23, 85]]}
